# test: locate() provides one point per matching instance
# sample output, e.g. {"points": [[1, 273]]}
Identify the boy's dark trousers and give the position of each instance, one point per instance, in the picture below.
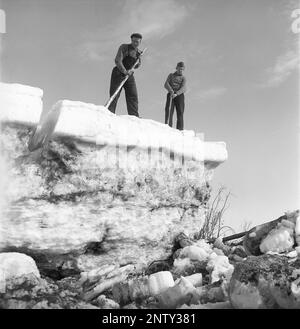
{"points": [[130, 92], [178, 103]]}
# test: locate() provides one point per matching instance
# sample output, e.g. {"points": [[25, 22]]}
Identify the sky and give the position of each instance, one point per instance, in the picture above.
{"points": [[242, 71]]}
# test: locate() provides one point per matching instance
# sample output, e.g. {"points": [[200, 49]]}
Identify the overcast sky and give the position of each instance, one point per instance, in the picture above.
{"points": [[242, 65]]}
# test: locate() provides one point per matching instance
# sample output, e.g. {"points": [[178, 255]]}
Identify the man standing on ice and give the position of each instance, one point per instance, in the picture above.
{"points": [[126, 57], [176, 87]]}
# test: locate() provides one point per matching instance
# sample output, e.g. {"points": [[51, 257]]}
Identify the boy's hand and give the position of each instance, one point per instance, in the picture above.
{"points": [[174, 95]]}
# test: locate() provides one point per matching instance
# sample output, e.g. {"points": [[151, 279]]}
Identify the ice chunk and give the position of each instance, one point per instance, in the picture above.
{"points": [[219, 267], [194, 252], [278, 240]]}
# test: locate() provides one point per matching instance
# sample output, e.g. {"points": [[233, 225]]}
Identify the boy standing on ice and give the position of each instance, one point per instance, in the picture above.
{"points": [[176, 87]]}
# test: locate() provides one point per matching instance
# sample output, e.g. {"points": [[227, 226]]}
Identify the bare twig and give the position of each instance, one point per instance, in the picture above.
{"points": [[213, 224]]}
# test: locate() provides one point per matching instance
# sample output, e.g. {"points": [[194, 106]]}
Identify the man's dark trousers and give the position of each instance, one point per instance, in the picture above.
{"points": [[130, 92], [178, 103]]}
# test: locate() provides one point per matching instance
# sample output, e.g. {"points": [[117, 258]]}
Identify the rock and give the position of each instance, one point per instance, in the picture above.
{"points": [[212, 293], [239, 251], [16, 268], [133, 290], [176, 253], [40, 294], [267, 281], [139, 289], [159, 266], [121, 293], [287, 294], [235, 258], [56, 266], [182, 240], [105, 303]]}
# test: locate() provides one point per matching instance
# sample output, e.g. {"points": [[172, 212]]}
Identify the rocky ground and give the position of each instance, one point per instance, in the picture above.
{"points": [[196, 275]]}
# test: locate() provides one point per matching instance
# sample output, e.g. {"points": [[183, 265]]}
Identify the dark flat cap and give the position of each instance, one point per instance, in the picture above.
{"points": [[180, 64], [136, 35]]}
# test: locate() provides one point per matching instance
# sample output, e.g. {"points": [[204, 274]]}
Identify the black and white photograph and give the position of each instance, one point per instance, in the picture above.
{"points": [[149, 157]]}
